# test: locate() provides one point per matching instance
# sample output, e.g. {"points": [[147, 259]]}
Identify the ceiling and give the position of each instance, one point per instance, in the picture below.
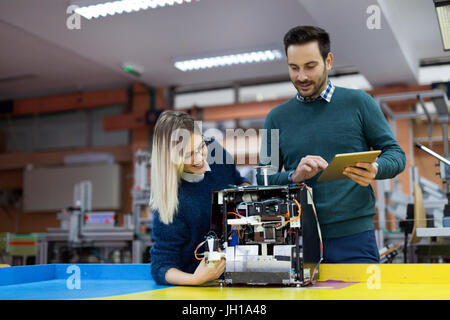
{"points": [[41, 56]]}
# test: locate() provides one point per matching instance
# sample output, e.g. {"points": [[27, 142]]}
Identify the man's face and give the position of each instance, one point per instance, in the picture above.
{"points": [[307, 69]]}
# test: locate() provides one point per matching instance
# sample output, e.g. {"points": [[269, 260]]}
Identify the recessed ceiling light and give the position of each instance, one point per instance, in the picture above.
{"points": [[228, 60]]}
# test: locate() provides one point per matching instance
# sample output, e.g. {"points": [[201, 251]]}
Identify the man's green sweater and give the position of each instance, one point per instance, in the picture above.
{"points": [[350, 122]]}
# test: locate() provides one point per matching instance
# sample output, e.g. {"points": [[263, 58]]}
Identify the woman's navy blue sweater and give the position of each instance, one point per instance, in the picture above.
{"points": [[175, 243]]}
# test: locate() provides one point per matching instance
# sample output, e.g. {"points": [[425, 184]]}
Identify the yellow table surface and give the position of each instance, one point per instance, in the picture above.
{"points": [[336, 282]]}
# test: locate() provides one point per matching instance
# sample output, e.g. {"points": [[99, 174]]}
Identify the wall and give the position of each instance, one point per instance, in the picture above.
{"points": [[42, 131]]}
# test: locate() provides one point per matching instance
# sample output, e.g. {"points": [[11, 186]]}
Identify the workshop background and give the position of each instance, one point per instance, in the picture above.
{"points": [[79, 98]]}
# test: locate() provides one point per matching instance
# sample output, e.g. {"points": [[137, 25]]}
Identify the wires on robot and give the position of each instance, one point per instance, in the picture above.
{"points": [[316, 269]]}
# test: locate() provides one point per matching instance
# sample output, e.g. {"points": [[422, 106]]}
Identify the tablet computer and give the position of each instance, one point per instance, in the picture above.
{"points": [[344, 160]]}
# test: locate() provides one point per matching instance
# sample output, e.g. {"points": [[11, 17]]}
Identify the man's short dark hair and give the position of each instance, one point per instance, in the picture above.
{"points": [[304, 34]]}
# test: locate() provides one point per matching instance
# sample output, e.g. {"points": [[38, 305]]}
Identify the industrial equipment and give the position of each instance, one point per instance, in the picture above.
{"points": [[270, 235], [96, 234]]}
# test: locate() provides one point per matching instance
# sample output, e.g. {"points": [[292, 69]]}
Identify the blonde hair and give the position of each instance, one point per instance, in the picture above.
{"points": [[167, 161]]}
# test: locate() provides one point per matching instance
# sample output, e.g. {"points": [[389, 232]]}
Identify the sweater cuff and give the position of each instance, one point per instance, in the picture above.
{"points": [[290, 176], [160, 275], [283, 178], [380, 174], [279, 178]]}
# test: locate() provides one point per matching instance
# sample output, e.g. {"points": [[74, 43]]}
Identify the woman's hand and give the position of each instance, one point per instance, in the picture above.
{"points": [[205, 273]]}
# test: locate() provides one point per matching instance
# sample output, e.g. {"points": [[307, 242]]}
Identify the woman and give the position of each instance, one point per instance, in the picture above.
{"points": [[181, 195]]}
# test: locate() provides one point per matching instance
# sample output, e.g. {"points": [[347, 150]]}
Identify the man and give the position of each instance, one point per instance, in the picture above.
{"points": [[321, 121]]}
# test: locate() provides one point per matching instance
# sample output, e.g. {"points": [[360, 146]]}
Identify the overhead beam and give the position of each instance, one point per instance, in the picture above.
{"points": [[16, 160], [128, 121], [240, 111], [11, 179], [399, 89], [248, 110], [69, 102], [399, 105]]}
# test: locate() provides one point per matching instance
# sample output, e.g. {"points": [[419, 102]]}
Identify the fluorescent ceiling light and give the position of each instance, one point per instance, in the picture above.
{"points": [[433, 74], [228, 60], [123, 6], [443, 15]]}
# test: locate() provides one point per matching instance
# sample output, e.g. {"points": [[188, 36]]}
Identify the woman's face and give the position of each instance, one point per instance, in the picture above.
{"points": [[195, 158]]}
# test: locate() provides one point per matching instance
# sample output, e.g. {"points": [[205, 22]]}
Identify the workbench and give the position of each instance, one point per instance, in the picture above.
{"points": [[134, 282]]}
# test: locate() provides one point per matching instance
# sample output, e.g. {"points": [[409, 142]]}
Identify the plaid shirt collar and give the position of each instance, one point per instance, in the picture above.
{"points": [[325, 95]]}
